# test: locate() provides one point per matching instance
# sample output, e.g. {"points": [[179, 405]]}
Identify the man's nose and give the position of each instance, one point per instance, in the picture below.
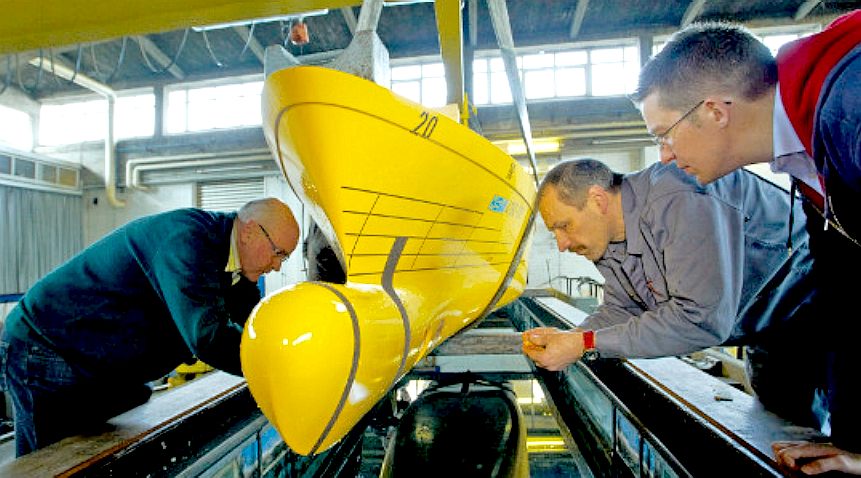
{"points": [[667, 154], [561, 242]]}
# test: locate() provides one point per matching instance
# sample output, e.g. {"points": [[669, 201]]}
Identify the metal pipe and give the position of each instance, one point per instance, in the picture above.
{"points": [[136, 169], [131, 164], [63, 71]]}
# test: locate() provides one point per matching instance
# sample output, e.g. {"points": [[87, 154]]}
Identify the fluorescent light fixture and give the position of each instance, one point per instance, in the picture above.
{"points": [[541, 145], [642, 139], [530, 400], [276, 18], [545, 444]]}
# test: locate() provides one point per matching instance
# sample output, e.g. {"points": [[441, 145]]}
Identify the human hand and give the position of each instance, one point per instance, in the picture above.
{"points": [[815, 458], [551, 348]]}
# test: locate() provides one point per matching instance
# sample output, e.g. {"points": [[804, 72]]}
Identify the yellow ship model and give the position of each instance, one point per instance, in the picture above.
{"points": [[430, 222]]}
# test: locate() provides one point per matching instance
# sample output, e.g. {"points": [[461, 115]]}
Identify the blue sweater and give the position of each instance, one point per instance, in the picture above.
{"points": [[143, 299], [837, 141]]}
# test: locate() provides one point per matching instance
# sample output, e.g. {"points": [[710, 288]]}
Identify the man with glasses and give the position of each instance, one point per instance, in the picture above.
{"points": [[83, 342], [686, 267], [716, 100]]}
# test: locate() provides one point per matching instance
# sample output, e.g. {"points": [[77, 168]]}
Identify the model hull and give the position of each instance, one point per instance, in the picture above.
{"points": [[429, 221]]}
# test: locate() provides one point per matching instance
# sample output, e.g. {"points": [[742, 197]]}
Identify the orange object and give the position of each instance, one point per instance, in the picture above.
{"points": [[299, 33]]}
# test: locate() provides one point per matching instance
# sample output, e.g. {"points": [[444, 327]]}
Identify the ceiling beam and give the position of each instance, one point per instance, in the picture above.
{"points": [[25, 57], [369, 15], [67, 72], [473, 23], [577, 21], [247, 36], [694, 10], [350, 18], [502, 27], [805, 9], [163, 60]]}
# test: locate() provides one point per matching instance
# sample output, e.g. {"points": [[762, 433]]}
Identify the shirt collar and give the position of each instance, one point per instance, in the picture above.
{"points": [[631, 215], [619, 250], [233, 264], [785, 138], [789, 154]]}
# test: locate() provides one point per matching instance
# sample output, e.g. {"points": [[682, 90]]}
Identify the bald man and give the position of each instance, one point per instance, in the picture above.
{"points": [[82, 344]]}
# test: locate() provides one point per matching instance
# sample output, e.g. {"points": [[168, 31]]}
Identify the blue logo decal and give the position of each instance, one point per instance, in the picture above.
{"points": [[498, 204]]}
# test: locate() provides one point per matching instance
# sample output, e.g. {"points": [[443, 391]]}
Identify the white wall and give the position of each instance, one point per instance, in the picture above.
{"points": [[100, 217], [293, 270], [5, 308], [14, 98]]}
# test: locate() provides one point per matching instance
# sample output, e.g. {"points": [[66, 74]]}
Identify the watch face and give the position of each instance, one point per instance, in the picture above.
{"points": [[590, 355]]}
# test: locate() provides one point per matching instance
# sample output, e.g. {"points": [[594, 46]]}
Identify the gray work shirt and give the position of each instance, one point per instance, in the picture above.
{"points": [[700, 265]]}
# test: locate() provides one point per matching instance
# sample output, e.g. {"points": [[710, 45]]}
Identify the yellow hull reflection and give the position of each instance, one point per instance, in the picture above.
{"points": [[427, 218]]}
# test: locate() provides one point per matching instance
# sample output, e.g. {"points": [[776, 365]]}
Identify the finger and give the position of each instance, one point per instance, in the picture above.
{"points": [[541, 331], [822, 465], [541, 338], [530, 351], [780, 445], [810, 450], [536, 354]]}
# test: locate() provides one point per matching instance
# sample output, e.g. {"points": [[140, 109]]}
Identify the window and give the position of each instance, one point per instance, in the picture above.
{"points": [[16, 128], [775, 41], [773, 38], [202, 108], [80, 121], [423, 83], [614, 70], [595, 71]]}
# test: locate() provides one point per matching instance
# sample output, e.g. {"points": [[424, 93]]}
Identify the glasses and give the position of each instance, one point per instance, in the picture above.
{"points": [[280, 253], [663, 138]]}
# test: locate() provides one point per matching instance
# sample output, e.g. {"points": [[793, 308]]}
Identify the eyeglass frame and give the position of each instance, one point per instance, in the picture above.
{"points": [[663, 139], [283, 254]]}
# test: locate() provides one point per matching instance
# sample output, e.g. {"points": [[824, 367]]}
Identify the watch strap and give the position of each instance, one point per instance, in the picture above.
{"points": [[589, 340]]}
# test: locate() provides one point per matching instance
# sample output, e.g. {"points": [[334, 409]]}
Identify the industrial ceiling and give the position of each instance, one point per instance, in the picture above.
{"points": [[138, 44]]}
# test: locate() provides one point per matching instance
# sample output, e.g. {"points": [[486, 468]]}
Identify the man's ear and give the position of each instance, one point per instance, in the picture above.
{"points": [[718, 111], [246, 229], [599, 196]]}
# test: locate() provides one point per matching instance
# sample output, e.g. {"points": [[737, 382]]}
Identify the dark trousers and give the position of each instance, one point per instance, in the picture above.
{"points": [[837, 261], [52, 400], [790, 383]]}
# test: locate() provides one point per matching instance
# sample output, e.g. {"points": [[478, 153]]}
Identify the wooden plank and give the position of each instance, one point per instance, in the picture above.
{"points": [[125, 429], [482, 342], [732, 411]]}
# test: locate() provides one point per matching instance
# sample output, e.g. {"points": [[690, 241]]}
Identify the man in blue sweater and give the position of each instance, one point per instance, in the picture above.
{"points": [[84, 341]]}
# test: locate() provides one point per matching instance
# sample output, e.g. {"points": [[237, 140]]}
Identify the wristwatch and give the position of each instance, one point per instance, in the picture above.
{"points": [[589, 351]]}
